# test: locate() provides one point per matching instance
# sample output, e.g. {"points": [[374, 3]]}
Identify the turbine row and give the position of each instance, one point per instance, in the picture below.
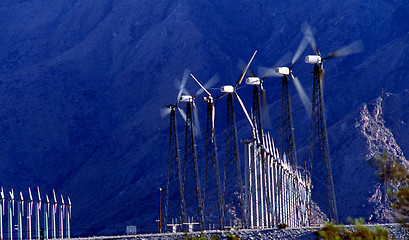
{"points": [[45, 229], [290, 192]]}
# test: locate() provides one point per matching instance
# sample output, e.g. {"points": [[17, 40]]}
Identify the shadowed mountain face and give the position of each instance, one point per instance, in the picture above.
{"points": [[81, 85]]}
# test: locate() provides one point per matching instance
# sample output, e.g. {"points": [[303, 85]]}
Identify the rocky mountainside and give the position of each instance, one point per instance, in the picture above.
{"points": [[81, 85]]}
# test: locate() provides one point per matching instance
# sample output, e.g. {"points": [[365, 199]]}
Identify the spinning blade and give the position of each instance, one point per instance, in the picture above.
{"points": [[183, 83], [355, 47], [245, 70], [306, 29], [303, 96]]}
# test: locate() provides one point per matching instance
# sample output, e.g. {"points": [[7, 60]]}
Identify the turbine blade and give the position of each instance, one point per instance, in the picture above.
{"points": [[266, 110], [38, 192], [355, 47], [202, 88], [182, 113], [245, 70], [220, 96], [267, 72], [55, 197], [164, 112], [308, 34], [183, 83], [300, 50], [241, 65], [30, 195], [301, 93], [212, 81], [198, 132], [244, 110]]}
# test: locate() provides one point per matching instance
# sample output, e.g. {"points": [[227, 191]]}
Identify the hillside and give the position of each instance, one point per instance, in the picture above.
{"points": [[82, 83]]}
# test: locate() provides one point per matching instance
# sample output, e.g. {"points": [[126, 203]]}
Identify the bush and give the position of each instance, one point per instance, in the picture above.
{"points": [[335, 232]]}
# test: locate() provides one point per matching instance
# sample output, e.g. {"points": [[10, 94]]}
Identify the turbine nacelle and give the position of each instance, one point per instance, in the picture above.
{"points": [[282, 70], [227, 89], [253, 81], [186, 98], [208, 99], [313, 59]]}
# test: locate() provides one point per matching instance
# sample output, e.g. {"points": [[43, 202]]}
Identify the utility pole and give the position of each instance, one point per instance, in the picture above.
{"points": [[160, 210]]}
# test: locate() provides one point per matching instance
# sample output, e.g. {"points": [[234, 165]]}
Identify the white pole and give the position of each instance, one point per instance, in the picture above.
{"points": [[62, 208], [53, 213], [11, 213], [20, 217], [68, 219], [46, 213], [1, 219], [1, 212], [29, 213], [37, 216], [247, 184]]}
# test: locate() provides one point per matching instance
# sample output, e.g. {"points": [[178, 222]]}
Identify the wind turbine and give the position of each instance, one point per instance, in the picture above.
{"points": [[53, 213], [30, 204], [37, 215], [2, 202], [257, 115], [62, 213], [68, 219], [46, 215], [232, 153], [11, 213], [190, 156], [173, 155], [319, 150], [20, 214], [211, 149], [287, 140]]}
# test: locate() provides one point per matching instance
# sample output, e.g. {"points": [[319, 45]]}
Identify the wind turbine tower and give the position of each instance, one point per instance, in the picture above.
{"points": [[174, 163], [211, 150], [37, 214], [231, 143], [68, 219], [20, 215], [260, 170], [29, 213], [53, 213], [190, 156], [46, 215], [2, 202], [11, 213], [319, 150], [61, 218]]}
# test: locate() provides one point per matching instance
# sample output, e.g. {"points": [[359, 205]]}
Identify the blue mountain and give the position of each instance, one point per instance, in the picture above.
{"points": [[82, 83]]}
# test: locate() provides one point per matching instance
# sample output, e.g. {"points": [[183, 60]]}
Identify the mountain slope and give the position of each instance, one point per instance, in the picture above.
{"points": [[81, 85]]}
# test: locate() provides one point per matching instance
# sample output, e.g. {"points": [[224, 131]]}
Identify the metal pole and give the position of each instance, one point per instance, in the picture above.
{"points": [[160, 210]]}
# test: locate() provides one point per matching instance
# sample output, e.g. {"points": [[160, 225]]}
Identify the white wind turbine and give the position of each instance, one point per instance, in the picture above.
{"points": [[11, 213], [53, 213], [2, 199], [68, 219], [37, 214], [46, 215], [20, 214], [29, 213], [62, 211]]}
